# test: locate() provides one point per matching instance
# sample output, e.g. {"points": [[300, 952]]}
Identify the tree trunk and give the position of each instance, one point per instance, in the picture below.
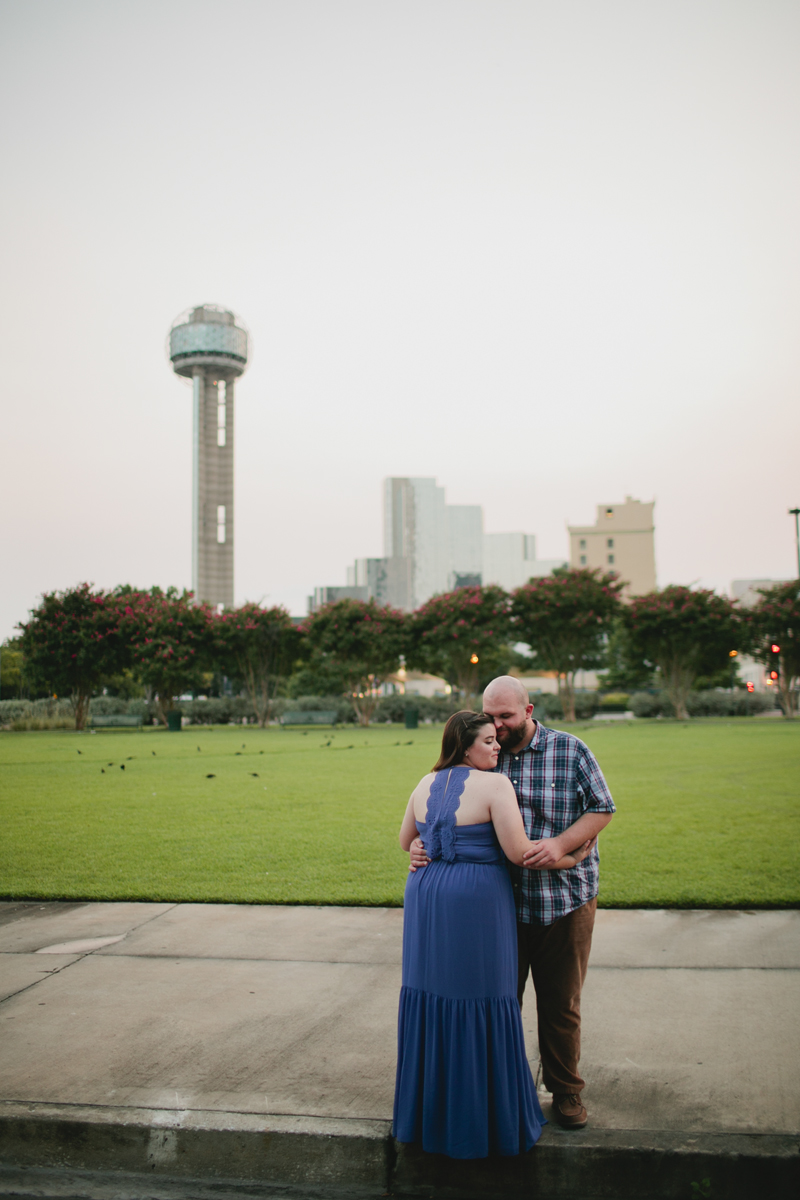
{"points": [[788, 694], [678, 680], [257, 692], [467, 680], [80, 706], [365, 707], [566, 694]]}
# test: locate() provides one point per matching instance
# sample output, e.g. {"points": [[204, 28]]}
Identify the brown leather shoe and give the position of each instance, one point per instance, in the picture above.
{"points": [[568, 1110]]}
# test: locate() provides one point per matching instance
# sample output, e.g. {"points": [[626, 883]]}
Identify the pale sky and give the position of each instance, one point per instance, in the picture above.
{"points": [[546, 252]]}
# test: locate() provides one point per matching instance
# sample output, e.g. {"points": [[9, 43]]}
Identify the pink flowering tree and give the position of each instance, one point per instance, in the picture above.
{"points": [[363, 643], [260, 646], [683, 633], [565, 619], [170, 640], [72, 644], [775, 621], [460, 636]]}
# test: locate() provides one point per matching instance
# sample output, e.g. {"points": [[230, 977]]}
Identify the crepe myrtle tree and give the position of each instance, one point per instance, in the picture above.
{"points": [[72, 644], [565, 619], [170, 640], [260, 646], [362, 641], [771, 633], [684, 633], [461, 636]]}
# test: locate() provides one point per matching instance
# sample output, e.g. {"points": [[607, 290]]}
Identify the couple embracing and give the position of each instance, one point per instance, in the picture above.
{"points": [[504, 878]]}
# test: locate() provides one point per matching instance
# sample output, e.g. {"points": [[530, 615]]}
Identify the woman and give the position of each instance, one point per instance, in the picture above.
{"points": [[464, 1087]]}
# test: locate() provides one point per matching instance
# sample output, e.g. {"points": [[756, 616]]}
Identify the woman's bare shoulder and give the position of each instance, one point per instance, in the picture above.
{"points": [[424, 786]]}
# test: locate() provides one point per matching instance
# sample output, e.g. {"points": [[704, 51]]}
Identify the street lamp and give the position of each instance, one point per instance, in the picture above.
{"points": [[795, 512]]}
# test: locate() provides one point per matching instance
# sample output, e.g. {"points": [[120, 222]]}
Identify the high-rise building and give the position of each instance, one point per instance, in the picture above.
{"points": [[620, 540], [432, 547], [464, 528], [415, 528], [210, 346], [509, 559]]}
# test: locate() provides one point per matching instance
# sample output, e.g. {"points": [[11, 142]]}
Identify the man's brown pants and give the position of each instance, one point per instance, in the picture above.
{"points": [[557, 956]]}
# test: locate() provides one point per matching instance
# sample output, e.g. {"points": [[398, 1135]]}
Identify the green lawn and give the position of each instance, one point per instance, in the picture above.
{"points": [[707, 813]]}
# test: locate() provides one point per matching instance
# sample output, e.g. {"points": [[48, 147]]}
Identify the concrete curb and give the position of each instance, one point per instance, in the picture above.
{"points": [[166, 1152]]}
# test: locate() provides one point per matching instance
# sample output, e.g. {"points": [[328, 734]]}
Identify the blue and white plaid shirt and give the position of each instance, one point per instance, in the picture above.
{"points": [[557, 780]]}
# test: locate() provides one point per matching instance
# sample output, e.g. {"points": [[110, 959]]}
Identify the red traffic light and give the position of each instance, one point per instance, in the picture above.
{"points": [[751, 687], [773, 674], [775, 649]]}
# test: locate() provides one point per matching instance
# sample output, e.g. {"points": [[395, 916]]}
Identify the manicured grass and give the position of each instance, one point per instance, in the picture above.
{"points": [[708, 813]]}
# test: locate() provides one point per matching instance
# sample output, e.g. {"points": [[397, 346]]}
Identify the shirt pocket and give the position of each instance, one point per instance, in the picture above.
{"points": [[558, 807]]}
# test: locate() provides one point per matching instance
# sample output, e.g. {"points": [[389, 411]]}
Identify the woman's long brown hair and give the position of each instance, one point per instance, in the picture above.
{"points": [[460, 732]]}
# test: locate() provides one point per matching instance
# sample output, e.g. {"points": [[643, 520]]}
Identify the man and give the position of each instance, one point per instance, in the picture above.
{"points": [[565, 802]]}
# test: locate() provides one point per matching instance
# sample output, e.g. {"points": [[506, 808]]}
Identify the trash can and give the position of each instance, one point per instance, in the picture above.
{"points": [[412, 717], [174, 722]]}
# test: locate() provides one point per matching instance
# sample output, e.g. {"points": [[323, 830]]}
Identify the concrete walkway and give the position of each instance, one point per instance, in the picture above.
{"points": [[257, 1043]]}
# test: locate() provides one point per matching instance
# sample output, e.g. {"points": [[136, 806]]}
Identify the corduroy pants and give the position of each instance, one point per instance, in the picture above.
{"points": [[557, 956]]}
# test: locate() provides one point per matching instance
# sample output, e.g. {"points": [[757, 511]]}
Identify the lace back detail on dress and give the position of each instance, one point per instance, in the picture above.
{"points": [[445, 796]]}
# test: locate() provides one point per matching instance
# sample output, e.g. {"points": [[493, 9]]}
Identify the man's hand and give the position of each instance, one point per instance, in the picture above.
{"points": [[418, 856], [543, 855]]}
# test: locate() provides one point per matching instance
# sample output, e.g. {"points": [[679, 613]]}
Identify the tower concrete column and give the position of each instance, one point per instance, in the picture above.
{"points": [[210, 346]]}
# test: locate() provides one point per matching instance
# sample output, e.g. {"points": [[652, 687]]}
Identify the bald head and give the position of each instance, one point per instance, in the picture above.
{"points": [[506, 685], [506, 702]]}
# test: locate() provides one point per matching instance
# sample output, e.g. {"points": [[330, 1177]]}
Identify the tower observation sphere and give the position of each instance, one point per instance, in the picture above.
{"points": [[211, 346]]}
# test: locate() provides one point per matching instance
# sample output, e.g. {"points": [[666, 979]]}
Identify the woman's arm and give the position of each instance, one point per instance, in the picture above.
{"points": [[510, 830], [408, 830]]}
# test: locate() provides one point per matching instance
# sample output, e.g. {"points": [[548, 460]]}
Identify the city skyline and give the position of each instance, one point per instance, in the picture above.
{"points": [[547, 254]]}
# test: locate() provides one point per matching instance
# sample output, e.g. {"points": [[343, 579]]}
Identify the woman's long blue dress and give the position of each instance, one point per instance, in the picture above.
{"points": [[464, 1087]]}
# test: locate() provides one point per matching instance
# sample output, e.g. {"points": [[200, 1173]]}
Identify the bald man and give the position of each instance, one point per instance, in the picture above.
{"points": [[564, 801]]}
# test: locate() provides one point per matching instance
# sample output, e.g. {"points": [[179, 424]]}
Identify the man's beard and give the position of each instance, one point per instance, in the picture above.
{"points": [[512, 736]]}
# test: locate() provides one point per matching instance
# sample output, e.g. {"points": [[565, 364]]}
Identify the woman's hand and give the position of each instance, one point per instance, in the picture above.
{"points": [[418, 856], [546, 855]]}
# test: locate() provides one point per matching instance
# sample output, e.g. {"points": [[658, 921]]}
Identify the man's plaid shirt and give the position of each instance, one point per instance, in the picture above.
{"points": [[557, 780]]}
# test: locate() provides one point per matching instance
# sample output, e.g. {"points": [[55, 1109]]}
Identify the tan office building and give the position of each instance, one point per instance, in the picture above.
{"points": [[621, 540]]}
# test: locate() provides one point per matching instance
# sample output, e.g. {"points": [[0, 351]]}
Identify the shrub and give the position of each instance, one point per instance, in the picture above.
{"points": [[650, 704], [615, 702], [702, 704], [107, 706], [24, 715], [430, 708]]}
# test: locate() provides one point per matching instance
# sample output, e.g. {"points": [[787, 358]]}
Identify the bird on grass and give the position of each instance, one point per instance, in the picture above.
{"points": [[211, 777], [122, 766], [254, 774], [102, 770], [198, 747], [80, 752], [153, 753]]}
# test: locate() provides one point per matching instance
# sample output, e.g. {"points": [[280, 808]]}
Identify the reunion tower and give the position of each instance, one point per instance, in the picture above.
{"points": [[210, 346]]}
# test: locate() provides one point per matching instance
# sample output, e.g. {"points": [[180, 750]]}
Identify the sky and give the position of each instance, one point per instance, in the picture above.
{"points": [[548, 253]]}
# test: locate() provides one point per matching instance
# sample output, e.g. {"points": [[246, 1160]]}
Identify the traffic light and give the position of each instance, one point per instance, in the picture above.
{"points": [[751, 687], [773, 664]]}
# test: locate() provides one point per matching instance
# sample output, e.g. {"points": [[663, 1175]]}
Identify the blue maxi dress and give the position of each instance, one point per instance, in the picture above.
{"points": [[464, 1087]]}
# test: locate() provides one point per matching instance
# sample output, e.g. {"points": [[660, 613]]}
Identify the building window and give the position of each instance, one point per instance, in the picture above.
{"points": [[221, 524], [583, 560], [222, 412], [610, 543], [611, 559], [583, 543], [609, 512]]}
